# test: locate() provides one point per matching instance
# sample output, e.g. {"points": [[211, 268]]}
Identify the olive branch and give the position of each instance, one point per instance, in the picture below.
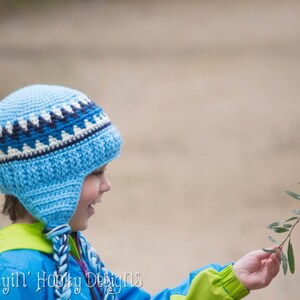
{"points": [[287, 226]]}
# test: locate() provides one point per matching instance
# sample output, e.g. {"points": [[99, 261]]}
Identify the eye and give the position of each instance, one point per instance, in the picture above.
{"points": [[99, 172]]}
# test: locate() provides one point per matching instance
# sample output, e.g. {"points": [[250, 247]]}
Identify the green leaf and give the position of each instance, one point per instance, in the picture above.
{"points": [[280, 229], [291, 259], [291, 219], [294, 195], [273, 240], [275, 224], [269, 250], [296, 211], [287, 226], [284, 263]]}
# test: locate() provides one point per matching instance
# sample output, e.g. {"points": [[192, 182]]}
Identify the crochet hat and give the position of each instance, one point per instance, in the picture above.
{"points": [[51, 138]]}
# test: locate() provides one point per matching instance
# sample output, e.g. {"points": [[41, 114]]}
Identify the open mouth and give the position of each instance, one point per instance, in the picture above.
{"points": [[92, 208]]}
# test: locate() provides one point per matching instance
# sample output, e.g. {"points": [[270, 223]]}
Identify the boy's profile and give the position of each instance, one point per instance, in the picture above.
{"points": [[55, 145]]}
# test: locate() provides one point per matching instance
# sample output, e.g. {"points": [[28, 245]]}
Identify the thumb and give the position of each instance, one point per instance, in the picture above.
{"points": [[262, 254]]}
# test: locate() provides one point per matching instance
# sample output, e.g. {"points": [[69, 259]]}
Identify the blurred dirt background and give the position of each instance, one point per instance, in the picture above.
{"points": [[206, 95]]}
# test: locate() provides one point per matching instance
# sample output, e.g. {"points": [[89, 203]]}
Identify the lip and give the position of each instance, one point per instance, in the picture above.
{"points": [[91, 210], [91, 207]]}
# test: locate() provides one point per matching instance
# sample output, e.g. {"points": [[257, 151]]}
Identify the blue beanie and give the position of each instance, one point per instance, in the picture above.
{"points": [[51, 138]]}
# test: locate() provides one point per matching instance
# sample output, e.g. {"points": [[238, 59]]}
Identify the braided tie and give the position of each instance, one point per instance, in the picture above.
{"points": [[59, 237], [97, 266]]}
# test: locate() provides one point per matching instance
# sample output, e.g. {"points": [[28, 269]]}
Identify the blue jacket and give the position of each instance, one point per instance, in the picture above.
{"points": [[27, 268]]}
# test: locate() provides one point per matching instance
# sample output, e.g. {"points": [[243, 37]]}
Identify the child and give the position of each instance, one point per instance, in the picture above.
{"points": [[55, 144]]}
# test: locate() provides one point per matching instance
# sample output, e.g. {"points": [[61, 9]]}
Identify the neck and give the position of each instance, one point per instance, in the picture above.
{"points": [[27, 218]]}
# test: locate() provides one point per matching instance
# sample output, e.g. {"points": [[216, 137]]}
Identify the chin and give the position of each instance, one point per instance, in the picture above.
{"points": [[79, 228]]}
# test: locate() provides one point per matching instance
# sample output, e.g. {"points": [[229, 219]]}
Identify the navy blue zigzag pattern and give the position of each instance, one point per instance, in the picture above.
{"points": [[41, 132]]}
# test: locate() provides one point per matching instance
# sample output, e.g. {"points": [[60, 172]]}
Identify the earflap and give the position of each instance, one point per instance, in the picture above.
{"points": [[54, 204]]}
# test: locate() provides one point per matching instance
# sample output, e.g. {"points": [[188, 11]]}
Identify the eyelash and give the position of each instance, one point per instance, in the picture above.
{"points": [[99, 173]]}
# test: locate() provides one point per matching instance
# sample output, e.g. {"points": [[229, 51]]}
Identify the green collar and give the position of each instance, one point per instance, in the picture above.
{"points": [[29, 236]]}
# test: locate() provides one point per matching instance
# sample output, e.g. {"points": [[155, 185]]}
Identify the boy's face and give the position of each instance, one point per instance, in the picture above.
{"points": [[93, 188]]}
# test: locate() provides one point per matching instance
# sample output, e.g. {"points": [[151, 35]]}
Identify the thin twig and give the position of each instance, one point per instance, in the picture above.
{"points": [[288, 236]]}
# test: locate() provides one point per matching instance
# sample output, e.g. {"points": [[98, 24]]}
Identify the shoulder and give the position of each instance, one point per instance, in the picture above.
{"points": [[21, 272], [26, 260]]}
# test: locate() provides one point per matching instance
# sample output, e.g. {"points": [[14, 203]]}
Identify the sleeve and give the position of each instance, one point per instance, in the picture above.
{"points": [[211, 282], [18, 285]]}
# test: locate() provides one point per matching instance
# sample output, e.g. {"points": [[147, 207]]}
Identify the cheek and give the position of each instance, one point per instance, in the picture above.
{"points": [[90, 190], [89, 193]]}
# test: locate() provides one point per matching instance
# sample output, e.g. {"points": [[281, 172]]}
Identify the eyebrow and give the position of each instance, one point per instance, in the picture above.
{"points": [[100, 169]]}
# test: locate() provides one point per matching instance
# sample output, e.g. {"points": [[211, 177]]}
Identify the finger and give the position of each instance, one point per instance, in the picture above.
{"points": [[270, 271], [277, 256], [278, 253], [273, 264], [260, 254]]}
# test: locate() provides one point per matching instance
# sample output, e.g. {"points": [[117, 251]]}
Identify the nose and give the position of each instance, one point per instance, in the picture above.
{"points": [[105, 185]]}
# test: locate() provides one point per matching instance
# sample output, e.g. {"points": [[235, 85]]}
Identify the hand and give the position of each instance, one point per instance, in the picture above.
{"points": [[257, 268]]}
